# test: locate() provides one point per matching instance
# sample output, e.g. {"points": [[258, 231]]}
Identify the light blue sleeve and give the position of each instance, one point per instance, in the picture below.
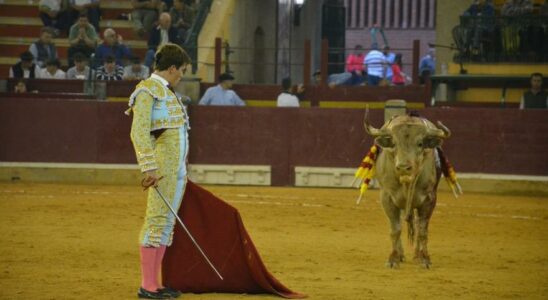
{"points": [[206, 98], [237, 100]]}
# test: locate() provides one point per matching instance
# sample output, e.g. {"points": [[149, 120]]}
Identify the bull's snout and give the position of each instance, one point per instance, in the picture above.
{"points": [[404, 168]]}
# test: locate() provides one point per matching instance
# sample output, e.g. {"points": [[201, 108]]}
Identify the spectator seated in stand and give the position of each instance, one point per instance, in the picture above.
{"points": [[390, 59], [25, 68], [55, 14], [182, 16], [287, 98], [20, 87], [535, 97], [52, 70], [110, 70], [544, 9], [44, 48], [82, 38], [375, 64], [162, 34], [89, 8], [354, 65], [480, 8], [81, 69], [333, 79], [112, 46], [145, 13], [516, 8], [427, 65], [222, 94], [136, 71], [398, 77]]}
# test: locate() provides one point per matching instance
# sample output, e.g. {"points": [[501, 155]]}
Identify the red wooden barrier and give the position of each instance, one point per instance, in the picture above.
{"points": [[485, 140]]}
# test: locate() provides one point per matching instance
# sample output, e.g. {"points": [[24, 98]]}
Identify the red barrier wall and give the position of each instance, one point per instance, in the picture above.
{"points": [[486, 140]]}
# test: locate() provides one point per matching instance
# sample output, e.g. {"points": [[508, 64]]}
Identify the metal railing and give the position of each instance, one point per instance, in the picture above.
{"points": [[191, 42], [502, 39]]}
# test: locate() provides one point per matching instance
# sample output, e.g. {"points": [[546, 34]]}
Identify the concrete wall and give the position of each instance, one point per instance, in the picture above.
{"points": [[237, 21], [248, 16]]}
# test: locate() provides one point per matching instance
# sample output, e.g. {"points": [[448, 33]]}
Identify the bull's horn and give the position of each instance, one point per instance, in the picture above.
{"points": [[446, 131], [368, 128], [441, 131]]}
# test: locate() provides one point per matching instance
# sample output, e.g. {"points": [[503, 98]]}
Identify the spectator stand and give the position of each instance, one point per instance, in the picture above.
{"points": [[20, 26], [502, 39], [458, 82], [317, 94]]}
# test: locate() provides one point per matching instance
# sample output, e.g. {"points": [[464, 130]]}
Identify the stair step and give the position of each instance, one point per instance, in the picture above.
{"points": [[34, 30], [104, 4], [37, 22], [12, 40], [16, 50], [28, 11]]}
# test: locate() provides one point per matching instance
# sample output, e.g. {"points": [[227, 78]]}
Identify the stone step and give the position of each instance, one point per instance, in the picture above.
{"points": [[30, 27], [31, 11]]}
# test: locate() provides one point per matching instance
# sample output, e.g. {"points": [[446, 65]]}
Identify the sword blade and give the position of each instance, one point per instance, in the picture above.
{"points": [[188, 233]]}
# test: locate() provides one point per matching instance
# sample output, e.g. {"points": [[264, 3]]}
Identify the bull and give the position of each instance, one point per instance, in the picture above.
{"points": [[408, 172]]}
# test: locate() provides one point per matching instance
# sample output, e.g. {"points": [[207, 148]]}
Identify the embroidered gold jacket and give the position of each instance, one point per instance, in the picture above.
{"points": [[154, 107]]}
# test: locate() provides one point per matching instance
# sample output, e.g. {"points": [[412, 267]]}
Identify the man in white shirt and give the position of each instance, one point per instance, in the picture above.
{"points": [[221, 94], [80, 70], [286, 98], [136, 71], [375, 63], [52, 71], [25, 68]]}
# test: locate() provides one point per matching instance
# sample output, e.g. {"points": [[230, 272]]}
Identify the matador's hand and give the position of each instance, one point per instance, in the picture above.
{"points": [[151, 179]]}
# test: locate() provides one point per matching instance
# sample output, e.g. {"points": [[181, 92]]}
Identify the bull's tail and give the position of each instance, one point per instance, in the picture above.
{"points": [[410, 219], [449, 173], [409, 211]]}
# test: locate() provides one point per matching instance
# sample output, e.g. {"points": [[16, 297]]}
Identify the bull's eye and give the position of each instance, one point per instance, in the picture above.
{"points": [[385, 141]]}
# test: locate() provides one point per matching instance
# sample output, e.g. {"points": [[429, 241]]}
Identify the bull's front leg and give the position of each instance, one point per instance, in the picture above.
{"points": [[421, 247], [393, 214]]}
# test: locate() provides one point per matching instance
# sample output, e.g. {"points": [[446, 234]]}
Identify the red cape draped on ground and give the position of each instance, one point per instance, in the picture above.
{"points": [[219, 230]]}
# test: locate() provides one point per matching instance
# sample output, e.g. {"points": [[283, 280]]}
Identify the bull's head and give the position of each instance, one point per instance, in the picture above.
{"points": [[407, 140]]}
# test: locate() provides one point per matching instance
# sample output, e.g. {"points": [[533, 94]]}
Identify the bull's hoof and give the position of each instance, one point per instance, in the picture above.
{"points": [[394, 260], [426, 263], [423, 259], [393, 264]]}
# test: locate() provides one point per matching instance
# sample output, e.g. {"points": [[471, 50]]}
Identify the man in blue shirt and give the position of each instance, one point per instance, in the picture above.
{"points": [[427, 65], [221, 94], [112, 45]]}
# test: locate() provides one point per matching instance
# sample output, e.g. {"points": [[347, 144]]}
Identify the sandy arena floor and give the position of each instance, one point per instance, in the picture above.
{"points": [[80, 242]]}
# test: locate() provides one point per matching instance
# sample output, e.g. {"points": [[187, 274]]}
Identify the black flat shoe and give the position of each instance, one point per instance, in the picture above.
{"points": [[173, 293], [144, 294]]}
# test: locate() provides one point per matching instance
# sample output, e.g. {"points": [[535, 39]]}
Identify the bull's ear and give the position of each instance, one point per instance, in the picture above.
{"points": [[385, 141], [431, 142]]}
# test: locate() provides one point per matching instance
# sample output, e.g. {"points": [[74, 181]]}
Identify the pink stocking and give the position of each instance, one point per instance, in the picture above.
{"points": [[148, 269], [158, 263]]}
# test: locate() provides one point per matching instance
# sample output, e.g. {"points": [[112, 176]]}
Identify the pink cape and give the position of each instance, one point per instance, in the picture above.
{"points": [[219, 230]]}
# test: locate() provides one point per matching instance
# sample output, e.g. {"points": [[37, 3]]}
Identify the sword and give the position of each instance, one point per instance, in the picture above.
{"points": [[188, 233]]}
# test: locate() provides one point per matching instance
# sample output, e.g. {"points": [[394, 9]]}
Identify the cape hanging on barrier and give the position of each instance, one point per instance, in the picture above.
{"points": [[219, 230]]}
